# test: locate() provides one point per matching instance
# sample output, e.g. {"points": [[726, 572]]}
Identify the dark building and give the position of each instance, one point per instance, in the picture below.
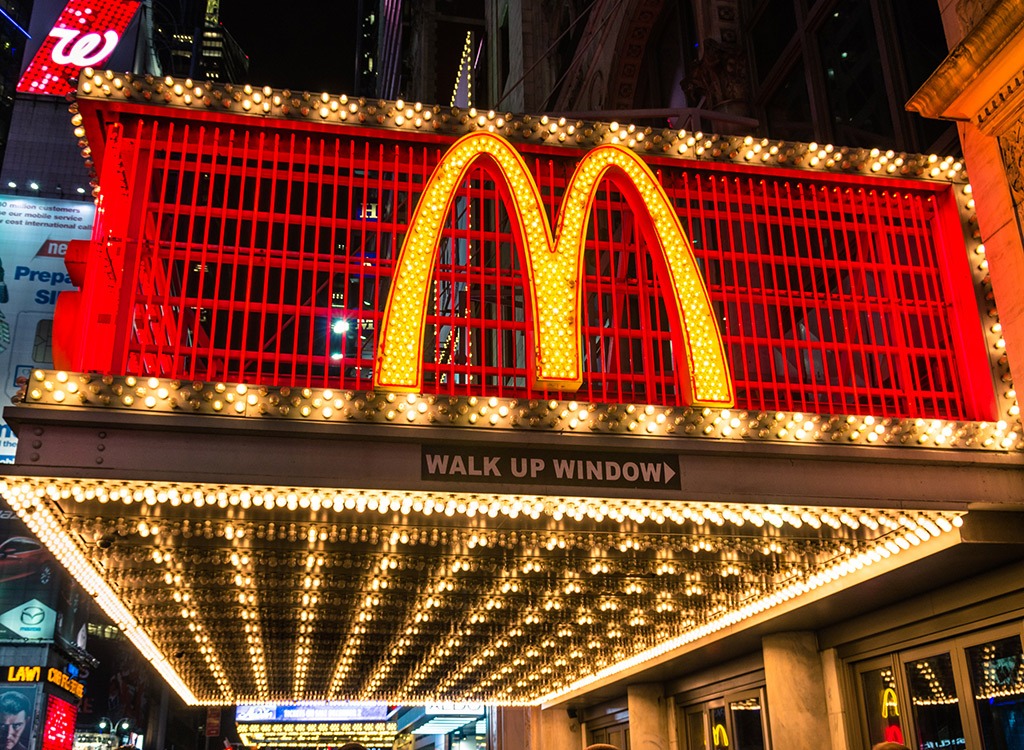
{"points": [[14, 35], [43, 158], [187, 39], [366, 59], [831, 71]]}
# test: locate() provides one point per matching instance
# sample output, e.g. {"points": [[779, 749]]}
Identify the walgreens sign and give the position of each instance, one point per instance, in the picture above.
{"points": [[86, 33]]}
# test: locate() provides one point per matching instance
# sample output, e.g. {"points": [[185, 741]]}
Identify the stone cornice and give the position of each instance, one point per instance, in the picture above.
{"points": [[982, 79]]}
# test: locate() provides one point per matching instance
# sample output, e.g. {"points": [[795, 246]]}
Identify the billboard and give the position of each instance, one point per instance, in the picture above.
{"points": [[34, 237], [17, 715], [498, 266], [313, 712], [85, 34], [38, 600], [120, 686]]}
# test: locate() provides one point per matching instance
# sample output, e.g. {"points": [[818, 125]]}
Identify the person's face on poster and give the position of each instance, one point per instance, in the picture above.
{"points": [[15, 715], [12, 726]]}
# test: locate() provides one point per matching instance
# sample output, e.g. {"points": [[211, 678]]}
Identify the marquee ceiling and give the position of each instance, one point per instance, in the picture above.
{"points": [[253, 593]]}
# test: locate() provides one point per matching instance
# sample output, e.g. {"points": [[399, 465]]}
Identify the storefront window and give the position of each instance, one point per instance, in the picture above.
{"points": [[997, 684], [728, 721], [935, 704], [747, 728], [882, 706]]}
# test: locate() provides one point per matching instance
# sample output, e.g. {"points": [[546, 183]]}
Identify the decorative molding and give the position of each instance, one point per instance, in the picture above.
{"points": [[629, 56], [981, 81], [1012, 145], [969, 12], [1005, 105], [720, 76]]}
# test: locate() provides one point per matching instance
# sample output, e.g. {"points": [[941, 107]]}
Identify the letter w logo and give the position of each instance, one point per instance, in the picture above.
{"points": [[554, 268]]}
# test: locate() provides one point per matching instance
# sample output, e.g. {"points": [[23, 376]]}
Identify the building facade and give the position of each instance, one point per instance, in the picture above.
{"points": [[641, 435]]}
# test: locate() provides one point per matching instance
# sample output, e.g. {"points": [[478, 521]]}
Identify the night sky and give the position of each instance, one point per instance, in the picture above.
{"points": [[304, 45]]}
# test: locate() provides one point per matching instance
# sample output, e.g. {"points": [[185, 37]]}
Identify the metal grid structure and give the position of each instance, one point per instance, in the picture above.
{"points": [[264, 255]]}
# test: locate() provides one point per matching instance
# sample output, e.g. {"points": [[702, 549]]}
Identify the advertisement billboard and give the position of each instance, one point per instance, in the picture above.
{"points": [[312, 712], [17, 715], [38, 600], [34, 237], [119, 686], [86, 33]]}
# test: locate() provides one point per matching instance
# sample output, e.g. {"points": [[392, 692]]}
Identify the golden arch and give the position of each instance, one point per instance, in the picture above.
{"points": [[719, 737], [554, 268]]}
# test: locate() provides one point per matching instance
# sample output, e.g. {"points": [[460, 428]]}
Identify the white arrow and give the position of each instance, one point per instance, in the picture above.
{"points": [[669, 472]]}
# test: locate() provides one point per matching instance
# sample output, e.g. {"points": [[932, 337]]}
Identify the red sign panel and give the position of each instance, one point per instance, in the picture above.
{"points": [[59, 731], [86, 34], [266, 255]]}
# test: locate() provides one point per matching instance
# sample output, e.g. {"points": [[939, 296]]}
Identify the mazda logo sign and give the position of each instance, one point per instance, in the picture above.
{"points": [[32, 615]]}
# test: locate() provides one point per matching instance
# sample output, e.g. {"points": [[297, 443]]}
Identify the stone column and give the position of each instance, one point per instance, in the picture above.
{"points": [[514, 728], [840, 716], [559, 731], [797, 713], [673, 726], [648, 717]]}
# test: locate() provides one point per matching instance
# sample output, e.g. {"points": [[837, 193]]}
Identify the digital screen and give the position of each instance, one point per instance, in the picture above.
{"points": [[59, 730]]}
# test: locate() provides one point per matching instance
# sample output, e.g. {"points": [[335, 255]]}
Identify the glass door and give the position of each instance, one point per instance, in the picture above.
{"points": [[935, 703], [964, 692], [719, 728], [734, 721], [996, 671], [882, 709], [696, 729], [747, 720]]}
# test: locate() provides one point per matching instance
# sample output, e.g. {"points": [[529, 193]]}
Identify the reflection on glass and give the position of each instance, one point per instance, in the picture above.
{"points": [[788, 109], [882, 706], [747, 729], [696, 740], [854, 78], [997, 683], [935, 704], [775, 27], [719, 735]]}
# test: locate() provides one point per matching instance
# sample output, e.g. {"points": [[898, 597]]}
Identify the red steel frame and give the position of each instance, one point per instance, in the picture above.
{"points": [[262, 252]]}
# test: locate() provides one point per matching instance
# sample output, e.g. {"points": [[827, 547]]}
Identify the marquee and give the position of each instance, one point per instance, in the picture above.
{"points": [[443, 404], [269, 238]]}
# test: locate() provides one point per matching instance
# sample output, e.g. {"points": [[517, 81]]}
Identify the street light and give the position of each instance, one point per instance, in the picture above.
{"points": [[123, 731], [119, 731]]}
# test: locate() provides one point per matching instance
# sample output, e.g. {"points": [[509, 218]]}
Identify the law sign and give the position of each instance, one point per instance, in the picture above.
{"points": [[552, 467]]}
